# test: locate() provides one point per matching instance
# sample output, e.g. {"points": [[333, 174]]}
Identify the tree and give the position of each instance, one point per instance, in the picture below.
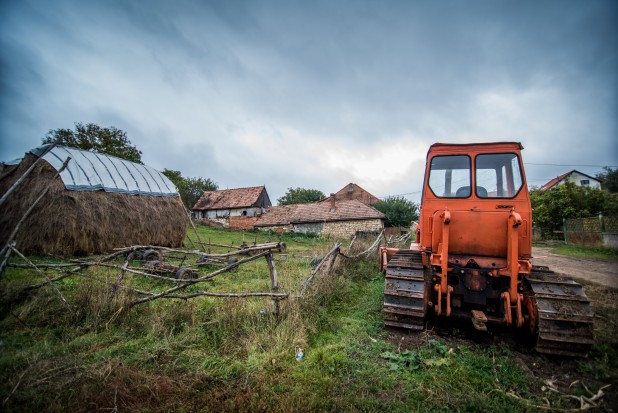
{"points": [[399, 211], [92, 137], [190, 189], [300, 196], [569, 201], [609, 179]]}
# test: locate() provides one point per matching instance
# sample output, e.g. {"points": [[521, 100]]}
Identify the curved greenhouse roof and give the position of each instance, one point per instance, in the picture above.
{"points": [[92, 171]]}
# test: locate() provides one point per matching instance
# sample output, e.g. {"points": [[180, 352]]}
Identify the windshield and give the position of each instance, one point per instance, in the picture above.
{"points": [[449, 176], [498, 175]]}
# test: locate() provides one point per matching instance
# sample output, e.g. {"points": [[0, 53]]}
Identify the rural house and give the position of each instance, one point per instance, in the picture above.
{"points": [[353, 191], [341, 219], [98, 203], [576, 178], [234, 208]]}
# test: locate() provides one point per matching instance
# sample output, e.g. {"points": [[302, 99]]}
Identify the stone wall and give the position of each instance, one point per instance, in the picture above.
{"points": [[347, 229], [308, 228], [337, 229]]}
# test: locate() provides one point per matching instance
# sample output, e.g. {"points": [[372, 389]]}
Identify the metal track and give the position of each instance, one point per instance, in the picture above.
{"points": [[404, 291], [564, 315]]}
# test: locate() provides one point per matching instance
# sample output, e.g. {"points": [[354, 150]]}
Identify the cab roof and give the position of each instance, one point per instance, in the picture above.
{"points": [[483, 147]]}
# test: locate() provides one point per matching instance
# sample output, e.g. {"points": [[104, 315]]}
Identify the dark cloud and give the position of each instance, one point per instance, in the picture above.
{"points": [[265, 91]]}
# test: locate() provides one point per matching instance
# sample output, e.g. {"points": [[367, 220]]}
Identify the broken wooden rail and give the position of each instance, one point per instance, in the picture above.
{"points": [[330, 257], [241, 256]]}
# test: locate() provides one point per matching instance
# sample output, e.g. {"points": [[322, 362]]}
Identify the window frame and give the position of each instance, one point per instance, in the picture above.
{"points": [[470, 167], [521, 175]]}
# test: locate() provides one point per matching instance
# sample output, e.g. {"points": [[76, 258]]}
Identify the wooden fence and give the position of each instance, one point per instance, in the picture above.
{"points": [[590, 231], [180, 268]]}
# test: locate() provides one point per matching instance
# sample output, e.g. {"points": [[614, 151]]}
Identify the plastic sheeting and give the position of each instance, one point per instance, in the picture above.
{"points": [[91, 171]]}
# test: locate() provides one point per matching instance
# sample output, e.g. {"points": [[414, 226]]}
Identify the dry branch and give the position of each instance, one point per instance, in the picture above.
{"points": [[372, 248], [57, 267], [334, 250], [275, 296], [25, 174], [123, 271], [271, 246], [6, 255], [42, 284], [49, 281], [192, 225]]}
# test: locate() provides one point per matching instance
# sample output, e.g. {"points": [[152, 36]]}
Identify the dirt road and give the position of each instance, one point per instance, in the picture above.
{"points": [[599, 272]]}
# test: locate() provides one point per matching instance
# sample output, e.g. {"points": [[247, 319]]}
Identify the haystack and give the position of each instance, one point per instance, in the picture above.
{"points": [[103, 210]]}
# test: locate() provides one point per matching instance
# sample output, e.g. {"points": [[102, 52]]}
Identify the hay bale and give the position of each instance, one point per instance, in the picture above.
{"points": [[84, 222]]}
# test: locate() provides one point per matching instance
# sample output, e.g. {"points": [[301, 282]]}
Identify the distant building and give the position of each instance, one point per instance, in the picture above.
{"points": [[353, 191], [234, 208], [341, 219], [576, 178]]}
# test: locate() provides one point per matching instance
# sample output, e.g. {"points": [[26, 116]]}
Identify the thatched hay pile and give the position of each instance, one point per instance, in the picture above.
{"points": [[84, 222]]}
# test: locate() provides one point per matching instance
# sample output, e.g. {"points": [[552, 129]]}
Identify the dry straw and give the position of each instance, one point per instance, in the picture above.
{"points": [[84, 222]]}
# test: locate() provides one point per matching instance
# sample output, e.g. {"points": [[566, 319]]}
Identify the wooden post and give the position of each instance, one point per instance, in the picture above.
{"points": [[273, 280], [5, 258], [192, 224]]}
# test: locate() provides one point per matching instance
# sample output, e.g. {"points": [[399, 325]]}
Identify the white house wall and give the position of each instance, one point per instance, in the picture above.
{"points": [[580, 180], [227, 213]]}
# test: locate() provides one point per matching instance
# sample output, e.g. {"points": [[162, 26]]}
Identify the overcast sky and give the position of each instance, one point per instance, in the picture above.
{"points": [[316, 94]]}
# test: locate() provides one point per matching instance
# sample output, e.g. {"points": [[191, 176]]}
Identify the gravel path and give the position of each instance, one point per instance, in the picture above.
{"points": [[599, 272]]}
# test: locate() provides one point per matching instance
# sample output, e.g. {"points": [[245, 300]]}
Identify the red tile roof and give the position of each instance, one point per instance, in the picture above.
{"points": [[229, 198], [554, 181], [354, 191], [318, 212]]}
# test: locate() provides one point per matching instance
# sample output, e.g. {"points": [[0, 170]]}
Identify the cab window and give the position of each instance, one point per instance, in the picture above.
{"points": [[498, 175], [449, 176]]}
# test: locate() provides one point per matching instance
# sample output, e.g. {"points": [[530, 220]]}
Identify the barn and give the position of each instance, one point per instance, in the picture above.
{"points": [[237, 208], [339, 219], [97, 203]]}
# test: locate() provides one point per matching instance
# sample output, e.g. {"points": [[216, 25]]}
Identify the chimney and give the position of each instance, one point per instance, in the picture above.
{"points": [[332, 203]]}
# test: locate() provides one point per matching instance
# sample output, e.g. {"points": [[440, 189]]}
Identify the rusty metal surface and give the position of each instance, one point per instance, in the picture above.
{"points": [[404, 291], [162, 268]]}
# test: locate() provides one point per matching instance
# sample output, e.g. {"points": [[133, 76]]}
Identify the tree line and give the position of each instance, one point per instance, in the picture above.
{"points": [[550, 207], [114, 141]]}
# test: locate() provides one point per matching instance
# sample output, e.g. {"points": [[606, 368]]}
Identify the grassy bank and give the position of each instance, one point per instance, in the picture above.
{"points": [[583, 251], [213, 354]]}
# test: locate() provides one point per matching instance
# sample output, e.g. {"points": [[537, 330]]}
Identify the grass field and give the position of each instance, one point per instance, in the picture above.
{"points": [[583, 251], [216, 354]]}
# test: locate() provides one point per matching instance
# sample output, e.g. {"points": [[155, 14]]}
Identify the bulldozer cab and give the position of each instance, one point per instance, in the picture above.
{"points": [[471, 258], [479, 186], [500, 172]]}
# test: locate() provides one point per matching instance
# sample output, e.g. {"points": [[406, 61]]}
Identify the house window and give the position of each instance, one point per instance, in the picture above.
{"points": [[585, 182]]}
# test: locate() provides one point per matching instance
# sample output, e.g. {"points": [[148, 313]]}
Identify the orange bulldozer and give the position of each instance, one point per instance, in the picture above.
{"points": [[472, 255]]}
